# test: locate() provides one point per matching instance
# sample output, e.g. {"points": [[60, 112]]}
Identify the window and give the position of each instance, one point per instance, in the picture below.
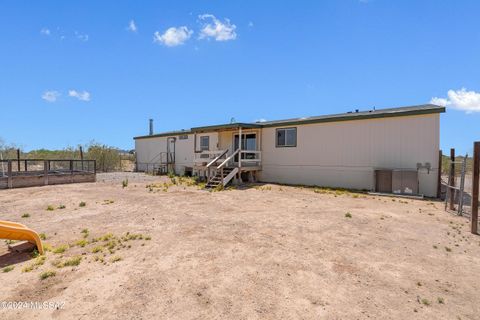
{"points": [[287, 137], [204, 143], [183, 137]]}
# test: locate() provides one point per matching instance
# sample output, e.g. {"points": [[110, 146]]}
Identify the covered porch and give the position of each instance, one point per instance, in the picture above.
{"points": [[228, 152]]}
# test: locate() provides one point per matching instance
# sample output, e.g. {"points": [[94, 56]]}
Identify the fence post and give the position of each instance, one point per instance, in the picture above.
{"points": [[452, 178], [475, 186], [46, 165], [26, 165], [10, 178], [71, 171], [439, 178], [18, 160]]}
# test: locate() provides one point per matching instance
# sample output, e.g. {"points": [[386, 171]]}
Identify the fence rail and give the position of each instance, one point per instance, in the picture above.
{"points": [[36, 172]]}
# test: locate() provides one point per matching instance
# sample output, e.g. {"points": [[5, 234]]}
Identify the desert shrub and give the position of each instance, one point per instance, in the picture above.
{"points": [[82, 243], [47, 274], [60, 249], [7, 269], [70, 262], [115, 259]]}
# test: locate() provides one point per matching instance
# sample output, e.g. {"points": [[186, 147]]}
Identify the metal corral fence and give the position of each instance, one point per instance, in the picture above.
{"points": [[461, 184], [459, 198], [36, 172]]}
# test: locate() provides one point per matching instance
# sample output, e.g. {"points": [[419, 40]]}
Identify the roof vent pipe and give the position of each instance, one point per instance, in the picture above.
{"points": [[151, 126]]}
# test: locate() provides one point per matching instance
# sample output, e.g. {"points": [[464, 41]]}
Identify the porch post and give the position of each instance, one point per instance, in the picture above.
{"points": [[240, 146]]}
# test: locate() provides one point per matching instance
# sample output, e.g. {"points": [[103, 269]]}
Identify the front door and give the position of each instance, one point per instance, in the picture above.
{"points": [[249, 142]]}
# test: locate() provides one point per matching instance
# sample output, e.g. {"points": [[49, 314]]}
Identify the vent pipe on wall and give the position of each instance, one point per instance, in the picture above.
{"points": [[150, 126]]}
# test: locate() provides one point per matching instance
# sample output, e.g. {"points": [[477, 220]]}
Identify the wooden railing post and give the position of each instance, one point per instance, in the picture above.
{"points": [[26, 165], [475, 186]]}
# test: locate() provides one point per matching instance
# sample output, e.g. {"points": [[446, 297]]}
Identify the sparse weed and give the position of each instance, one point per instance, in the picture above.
{"points": [[115, 259], [43, 236], [125, 183], [47, 274], [39, 261], [107, 237], [85, 233], [50, 208], [425, 302], [97, 249], [440, 300], [35, 253], [60, 249], [448, 249], [82, 204], [71, 262], [8, 269], [81, 243], [62, 206], [26, 215], [348, 215], [220, 187]]}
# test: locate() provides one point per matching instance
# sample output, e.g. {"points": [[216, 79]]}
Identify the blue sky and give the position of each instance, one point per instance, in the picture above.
{"points": [[76, 71]]}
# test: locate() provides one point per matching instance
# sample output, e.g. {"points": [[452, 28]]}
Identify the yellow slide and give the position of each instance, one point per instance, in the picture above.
{"points": [[17, 231]]}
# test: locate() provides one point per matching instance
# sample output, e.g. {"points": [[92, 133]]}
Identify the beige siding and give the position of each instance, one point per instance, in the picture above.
{"points": [[147, 150], [344, 154], [213, 140]]}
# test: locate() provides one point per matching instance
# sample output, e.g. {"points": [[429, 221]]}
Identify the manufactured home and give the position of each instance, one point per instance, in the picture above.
{"points": [[392, 150]]}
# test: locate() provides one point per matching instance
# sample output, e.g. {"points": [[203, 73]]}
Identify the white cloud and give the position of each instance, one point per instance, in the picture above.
{"points": [[50, 96], [250, 24], [261, 120], [82, 96], [173, 36], [214, 28], [45, 31], [462, 99], [132, 26], [81, 36]]}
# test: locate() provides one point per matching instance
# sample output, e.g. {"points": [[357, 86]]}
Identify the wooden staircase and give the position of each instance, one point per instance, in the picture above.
{"points": [[222, 177]]}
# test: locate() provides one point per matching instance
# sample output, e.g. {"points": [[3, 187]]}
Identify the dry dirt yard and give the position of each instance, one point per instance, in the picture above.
{"points": [[263, 252]]}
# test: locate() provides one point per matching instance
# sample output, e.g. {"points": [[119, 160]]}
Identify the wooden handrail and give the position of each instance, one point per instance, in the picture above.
{"points": [[216, 158], [228, 159]]}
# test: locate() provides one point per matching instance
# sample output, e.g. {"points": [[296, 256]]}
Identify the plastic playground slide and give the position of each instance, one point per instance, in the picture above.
{"points": [[17, 231]]}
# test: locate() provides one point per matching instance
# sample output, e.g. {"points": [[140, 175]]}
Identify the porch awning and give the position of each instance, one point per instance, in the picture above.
{"points": [[229, 126]]}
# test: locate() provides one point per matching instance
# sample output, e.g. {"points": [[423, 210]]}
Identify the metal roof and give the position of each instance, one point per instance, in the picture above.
{"points": [[348, 116]]}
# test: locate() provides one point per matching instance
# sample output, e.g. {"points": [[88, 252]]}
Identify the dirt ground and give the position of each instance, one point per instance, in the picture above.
{"points": [[263, 252]]}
